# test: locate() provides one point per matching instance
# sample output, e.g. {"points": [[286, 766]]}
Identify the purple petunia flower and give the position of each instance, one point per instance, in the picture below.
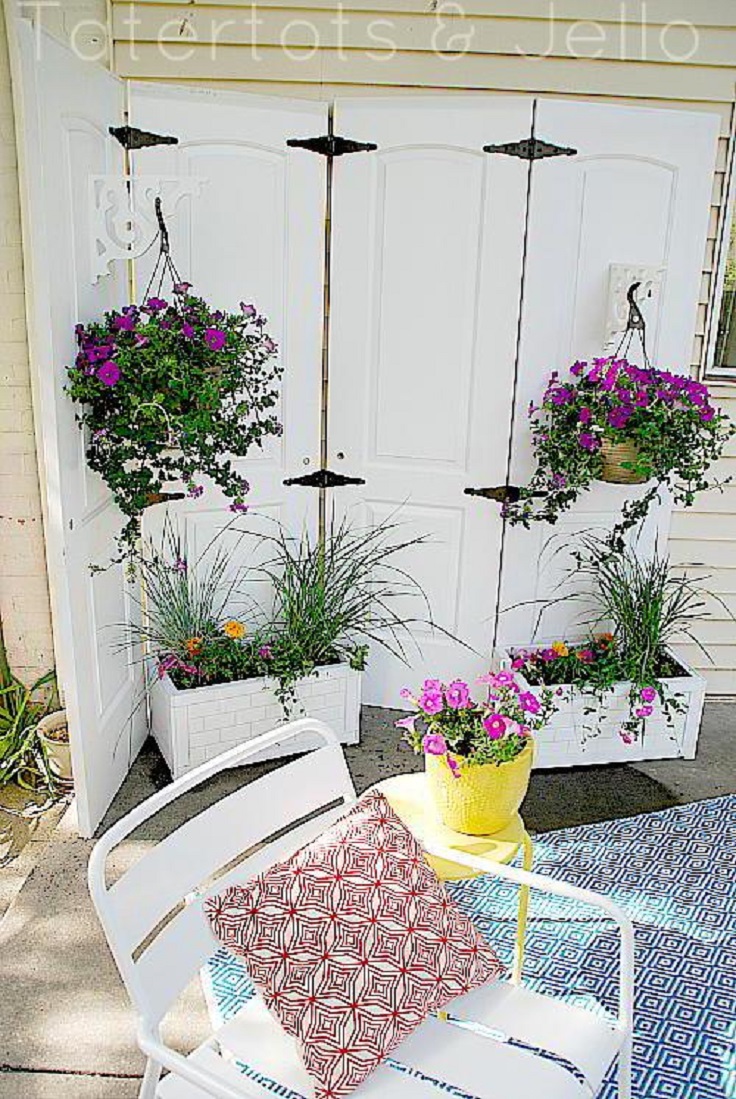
{"points": [[706, 414], [588, 441], [619, 417], [585, 415], [266, 652], [560, 396], [644, 711], [641, 398], [578, 368], [109, 373], [155, 305], [648, 694], [125, 322], [269, 345], [457, 695], [187, 330], [529, 702], [182, 287], [548, 655], [432, 702], [434, 744], [247, 310], [195, 491], [559, 480], [239, 506], [214, 338], [406, 723], [495, 725]]}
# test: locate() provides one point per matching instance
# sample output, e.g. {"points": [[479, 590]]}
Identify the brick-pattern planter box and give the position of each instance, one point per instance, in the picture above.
{"points": [[574, 738], [191, 727]]}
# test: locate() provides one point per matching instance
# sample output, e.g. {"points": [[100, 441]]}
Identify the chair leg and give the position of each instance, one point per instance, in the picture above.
{"points": [[151, 1077], [624, 1070]]}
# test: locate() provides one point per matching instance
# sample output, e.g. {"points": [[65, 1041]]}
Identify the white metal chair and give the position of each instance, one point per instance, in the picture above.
{"points": [[153, 921]]}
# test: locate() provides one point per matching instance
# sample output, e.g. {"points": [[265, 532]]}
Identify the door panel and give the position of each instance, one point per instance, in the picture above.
{"points": [[637, 193], [426, 264], [250, 229], [66, 108]]}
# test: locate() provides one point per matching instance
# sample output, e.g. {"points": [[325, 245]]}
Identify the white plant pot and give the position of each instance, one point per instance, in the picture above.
{"points": [[574, 738], [193, 726]]}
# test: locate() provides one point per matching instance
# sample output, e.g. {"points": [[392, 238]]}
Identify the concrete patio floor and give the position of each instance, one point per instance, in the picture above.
{"points": [[66, 1029]]}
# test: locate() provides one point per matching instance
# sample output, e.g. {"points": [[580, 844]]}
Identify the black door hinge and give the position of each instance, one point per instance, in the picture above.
{"points": [[502, 494], [324, 478], [331, 145], [530, 148], [130, 137]]}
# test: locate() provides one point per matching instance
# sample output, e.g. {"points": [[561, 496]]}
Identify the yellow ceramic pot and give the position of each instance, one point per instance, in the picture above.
{"points": [[485, 797]]}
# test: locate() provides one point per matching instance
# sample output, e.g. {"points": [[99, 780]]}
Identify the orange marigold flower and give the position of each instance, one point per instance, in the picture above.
{"points": [[193, 645], [560, 648], [605, 638], [234, 629]]}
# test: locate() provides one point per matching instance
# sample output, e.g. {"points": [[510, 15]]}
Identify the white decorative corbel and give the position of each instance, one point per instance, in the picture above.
{"points": [[122, 216], [648, 298]]}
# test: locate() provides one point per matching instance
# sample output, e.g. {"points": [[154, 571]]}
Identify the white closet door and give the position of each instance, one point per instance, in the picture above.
{"points": [[427, 252], [637, 194], [249, 226], [66, 107]]}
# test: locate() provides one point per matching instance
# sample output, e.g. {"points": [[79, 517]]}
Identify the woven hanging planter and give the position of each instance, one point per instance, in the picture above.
{"points": [[614, 455], [162, 497]]}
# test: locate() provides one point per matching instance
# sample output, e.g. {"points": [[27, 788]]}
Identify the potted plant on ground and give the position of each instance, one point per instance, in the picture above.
{"points": [[224, 670], [625, 694], [614, 421], [23, 755], [478, 753], [170, 391]]}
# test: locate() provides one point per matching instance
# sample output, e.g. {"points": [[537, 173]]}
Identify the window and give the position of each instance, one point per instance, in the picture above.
{"points": [[724, 359]]}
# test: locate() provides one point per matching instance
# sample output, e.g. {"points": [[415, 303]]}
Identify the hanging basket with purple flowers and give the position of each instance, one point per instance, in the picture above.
{"points": [[172, 391], [612, 420]]}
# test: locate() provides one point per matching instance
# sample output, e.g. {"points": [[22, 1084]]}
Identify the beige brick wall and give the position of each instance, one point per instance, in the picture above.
{"points": [[24, 597]]}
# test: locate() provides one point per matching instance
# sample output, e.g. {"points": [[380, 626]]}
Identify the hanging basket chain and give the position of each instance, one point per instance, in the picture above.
{"points": [[164, 264]]}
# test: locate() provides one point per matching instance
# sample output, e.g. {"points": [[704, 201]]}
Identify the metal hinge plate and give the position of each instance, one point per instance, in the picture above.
{"points": [[331, 145], [530, 148], [130, 137], [324, 478]]}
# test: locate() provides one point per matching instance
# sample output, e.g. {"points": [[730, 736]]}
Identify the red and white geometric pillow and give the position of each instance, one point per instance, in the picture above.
{"points": [[352, 942]]}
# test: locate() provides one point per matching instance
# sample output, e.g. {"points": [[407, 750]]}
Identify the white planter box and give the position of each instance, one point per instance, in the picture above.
{"points": [[573, 738], [193, 726]]}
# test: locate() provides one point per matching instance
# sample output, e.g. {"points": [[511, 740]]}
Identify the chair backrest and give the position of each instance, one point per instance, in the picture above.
{"points": [[152, 915]]}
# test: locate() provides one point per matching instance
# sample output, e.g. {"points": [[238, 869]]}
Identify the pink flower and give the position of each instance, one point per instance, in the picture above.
{"points": [[626, 737], [530, 703], [187, 330], [457, 695], [405, 692], [269, 345], [247, 310], [503, 679], [649, 694], [109, 373], [588, 441], [214, 338], [453, 765], [641, 398], [432, 685], [266, 652], [585, 415], [432, 702], [434, 744], [518, 663], [644, 711], [495, 725], [707, 414], [182, 287]]}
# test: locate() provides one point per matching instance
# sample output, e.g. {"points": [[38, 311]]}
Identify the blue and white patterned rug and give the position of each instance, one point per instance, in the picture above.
{"points": [[675, 873]]}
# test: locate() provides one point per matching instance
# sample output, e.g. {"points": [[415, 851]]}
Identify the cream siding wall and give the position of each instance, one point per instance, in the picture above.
{"points": [[321, 49]]}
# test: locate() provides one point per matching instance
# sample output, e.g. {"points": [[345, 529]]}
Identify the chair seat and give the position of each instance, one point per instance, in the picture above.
{"points": [[438, 1052]]}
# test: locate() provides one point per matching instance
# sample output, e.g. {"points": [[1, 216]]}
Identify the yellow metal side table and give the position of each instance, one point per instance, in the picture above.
{"points": [[409, 797]]}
